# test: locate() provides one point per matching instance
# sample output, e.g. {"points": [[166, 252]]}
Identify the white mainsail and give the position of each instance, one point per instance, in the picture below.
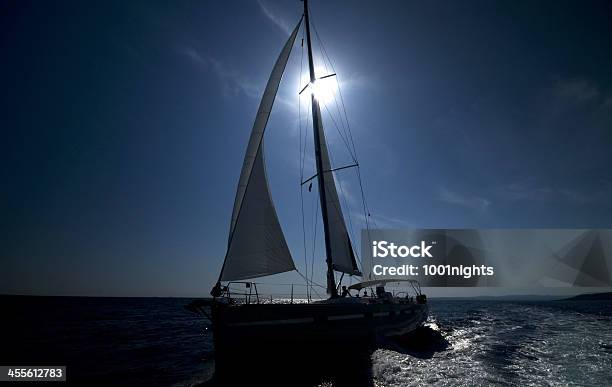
{"points": [[342, 255], [257, 245]]}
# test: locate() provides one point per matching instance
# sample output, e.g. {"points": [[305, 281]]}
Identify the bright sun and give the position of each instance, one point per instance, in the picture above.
{"points": [[324, 89]]}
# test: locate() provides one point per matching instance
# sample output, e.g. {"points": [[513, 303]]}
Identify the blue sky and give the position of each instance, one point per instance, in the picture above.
{"points": [[124, 128]]}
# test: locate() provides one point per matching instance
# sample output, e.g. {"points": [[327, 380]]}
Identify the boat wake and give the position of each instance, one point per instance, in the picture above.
{"points": [[423, 343], [502, 343]]}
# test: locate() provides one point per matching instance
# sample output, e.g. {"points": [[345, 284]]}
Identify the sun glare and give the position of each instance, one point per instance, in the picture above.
{"points": [[324, 89]]}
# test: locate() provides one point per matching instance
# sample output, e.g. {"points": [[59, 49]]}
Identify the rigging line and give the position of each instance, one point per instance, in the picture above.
{"points": [[350, 132], [303, 149], [345, 141], [303, 162], [318, 294], [304, 235], [324, 52], [306, 131], [314, 235], [300, 105], [346, 202], [366, 214], [353, 156], [302, 172], [366, 210], [325, 55], [344, 127], [313, 289], [311, 282], [352, 229], [350, 136], [365, 206], [348, 207], [352, 153], [303, 152]]}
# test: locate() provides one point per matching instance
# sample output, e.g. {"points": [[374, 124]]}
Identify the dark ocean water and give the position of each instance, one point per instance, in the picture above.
{"points": [[155, 341]]}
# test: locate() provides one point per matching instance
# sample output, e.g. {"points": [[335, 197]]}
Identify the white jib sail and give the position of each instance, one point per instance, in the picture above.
{"points": [[257, 245]]}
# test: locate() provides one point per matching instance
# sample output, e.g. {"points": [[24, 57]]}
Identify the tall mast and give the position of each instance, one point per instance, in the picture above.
{"points": [[316, 113]]}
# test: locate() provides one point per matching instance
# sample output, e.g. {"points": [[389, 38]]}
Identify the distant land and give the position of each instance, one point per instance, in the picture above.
{"points": [[591, 297], [534, 297], [510, 297]]}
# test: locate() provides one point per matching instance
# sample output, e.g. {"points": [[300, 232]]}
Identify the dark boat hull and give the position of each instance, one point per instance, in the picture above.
{"points": [[332, 339], [236, 326]]}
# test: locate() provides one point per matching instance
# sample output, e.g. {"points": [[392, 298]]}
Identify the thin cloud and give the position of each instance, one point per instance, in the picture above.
{"points": [[356, 81], [273, 17], [383, 221], [578, 89], [355, 209], [471, 202], [572, 100], [528, 190], [233, 81], [194, 55]]}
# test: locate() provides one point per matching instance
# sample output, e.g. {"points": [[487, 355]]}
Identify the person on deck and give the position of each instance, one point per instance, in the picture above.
{"points": [[345, 292]]}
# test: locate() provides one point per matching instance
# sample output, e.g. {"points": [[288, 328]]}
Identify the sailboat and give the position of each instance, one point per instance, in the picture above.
{"points": [[257, 248]]}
